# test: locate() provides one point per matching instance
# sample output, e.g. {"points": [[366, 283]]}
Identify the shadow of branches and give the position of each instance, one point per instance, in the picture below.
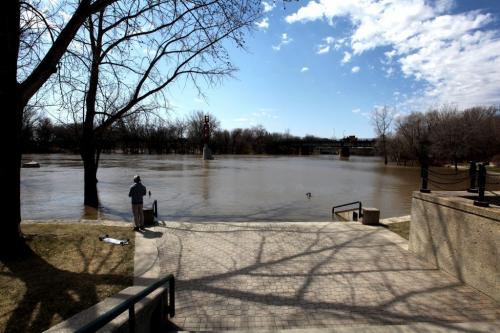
{"points": [[45, 289], [282, 275]]}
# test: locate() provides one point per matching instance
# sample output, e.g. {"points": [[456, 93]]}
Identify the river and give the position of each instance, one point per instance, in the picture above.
{"points": [[229, 188]]}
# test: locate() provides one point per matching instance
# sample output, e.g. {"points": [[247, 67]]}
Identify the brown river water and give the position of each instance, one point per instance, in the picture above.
{"points": [[229, 188]]}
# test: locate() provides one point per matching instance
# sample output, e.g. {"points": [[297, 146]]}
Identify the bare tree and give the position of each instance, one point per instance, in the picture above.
{"points": [[132, 51], [413, 132], [195, 128], [447, 136], [382, 118], [32, 49]]}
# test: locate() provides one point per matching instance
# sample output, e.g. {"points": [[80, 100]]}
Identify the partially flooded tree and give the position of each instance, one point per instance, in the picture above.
{"points": [[382, 118], [131, 52], [32, 46]]}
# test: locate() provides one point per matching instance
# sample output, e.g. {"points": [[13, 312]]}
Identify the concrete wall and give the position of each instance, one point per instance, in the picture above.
{"points": [[458, 237], [146, 311]]}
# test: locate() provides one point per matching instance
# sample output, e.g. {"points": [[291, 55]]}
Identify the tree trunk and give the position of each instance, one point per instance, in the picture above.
{"points": [[10, 135], [88, 154], [89, 151], [384, 147]]}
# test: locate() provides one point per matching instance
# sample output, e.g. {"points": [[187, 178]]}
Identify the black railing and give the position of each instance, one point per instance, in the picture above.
{"points": [[360, 207], [129, 305], [477, 178], [481, 184]]}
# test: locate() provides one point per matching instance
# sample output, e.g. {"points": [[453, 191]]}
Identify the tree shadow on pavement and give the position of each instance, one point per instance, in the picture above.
{"points": [[244, 276]]}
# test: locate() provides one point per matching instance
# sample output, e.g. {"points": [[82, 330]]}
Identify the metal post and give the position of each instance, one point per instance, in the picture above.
{"points": [[424, 173], [481, 183], [171, 294], [472, 175], [131, 319]]}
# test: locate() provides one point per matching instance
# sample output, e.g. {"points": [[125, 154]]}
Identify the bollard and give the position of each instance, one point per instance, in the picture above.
{"points": [[481, 183], [371, 216], [472, 175], [155, 208], [424, 173]]}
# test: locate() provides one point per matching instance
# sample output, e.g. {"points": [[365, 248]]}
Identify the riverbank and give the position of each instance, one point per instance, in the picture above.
{"points": [[65, 270]]}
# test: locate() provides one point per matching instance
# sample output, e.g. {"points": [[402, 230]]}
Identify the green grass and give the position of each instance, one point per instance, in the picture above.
{"points": [[493, 168], [64, 270], [402, 229]]}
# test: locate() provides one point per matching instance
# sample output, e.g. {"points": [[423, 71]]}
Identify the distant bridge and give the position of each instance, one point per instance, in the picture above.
{"points": [[332, 146]]}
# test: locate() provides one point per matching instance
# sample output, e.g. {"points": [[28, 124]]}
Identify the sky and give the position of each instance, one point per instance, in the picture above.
{"points": [[321, 67]]}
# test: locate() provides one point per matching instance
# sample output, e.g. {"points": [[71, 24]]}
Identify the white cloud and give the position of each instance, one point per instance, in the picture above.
{"points": [[457, 56], [355, 69], [268, 6], [329, 40], [324, 47], [264, 24], [356, 110], [347, 58], [304, 69], [284, 41]]}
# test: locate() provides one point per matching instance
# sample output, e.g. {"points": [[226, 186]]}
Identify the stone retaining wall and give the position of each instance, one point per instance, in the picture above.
{"points": [[462, 239]]}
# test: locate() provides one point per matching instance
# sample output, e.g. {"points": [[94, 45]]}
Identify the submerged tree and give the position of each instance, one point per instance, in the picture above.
{"points": [[132, 51]]}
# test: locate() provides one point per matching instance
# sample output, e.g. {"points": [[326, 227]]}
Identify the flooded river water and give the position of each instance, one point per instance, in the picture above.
{"points": [[229, 188]]}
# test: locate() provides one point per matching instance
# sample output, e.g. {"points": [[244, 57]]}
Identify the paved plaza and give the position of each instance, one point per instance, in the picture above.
{"points": [[296, 275]]}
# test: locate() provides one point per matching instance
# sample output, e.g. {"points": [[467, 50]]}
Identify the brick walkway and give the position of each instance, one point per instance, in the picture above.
{"points": [[291, 275]]}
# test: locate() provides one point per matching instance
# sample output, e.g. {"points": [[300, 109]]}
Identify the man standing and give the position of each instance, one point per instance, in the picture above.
{"points": [[137, 191]]}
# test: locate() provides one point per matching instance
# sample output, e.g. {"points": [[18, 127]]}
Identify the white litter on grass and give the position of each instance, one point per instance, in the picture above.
{"points": [[110, 240]]}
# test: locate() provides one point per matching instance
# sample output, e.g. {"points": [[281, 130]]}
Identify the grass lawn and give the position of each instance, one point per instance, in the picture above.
{"points": [[402, 229], [493, 168], [65, 269]]}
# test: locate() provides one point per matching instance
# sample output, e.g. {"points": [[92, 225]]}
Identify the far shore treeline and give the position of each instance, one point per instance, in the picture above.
{"points": [[444, 135]]}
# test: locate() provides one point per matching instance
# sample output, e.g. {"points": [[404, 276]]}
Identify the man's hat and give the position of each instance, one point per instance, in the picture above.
{"points": [[137, 178]]}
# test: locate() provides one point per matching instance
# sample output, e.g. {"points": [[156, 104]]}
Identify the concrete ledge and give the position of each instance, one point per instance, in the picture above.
{"points": [[398, 219], [144, 310], [456, 200], [448, 231]]}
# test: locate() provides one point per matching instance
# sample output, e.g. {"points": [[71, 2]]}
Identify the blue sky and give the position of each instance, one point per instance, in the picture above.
{"points": [[321, 67]]}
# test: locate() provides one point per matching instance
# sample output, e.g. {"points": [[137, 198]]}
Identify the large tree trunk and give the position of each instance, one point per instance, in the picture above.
{"points": [[88, 154], [10, 135], [89, 150]]}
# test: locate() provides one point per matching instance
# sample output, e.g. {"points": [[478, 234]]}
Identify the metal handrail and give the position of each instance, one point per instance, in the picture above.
{"points": [[360, 207], [129, 304]]}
